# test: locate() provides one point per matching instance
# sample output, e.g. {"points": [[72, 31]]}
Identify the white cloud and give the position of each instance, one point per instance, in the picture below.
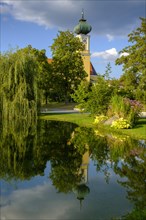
{"points": [[46, 13], [65, 14], [124, 54], [4, 9], [110, 37], [36, 203], [110, 54]]}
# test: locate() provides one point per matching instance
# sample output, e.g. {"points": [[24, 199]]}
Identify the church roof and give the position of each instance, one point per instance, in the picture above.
{"points": [[50, 60], [92, 70]]}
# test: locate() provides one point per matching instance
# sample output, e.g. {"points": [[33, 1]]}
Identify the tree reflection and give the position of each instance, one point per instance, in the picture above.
{"points": [[86, 139], [65, 159], [126, 156], [27, 147], [134, 169], [16, 145]]}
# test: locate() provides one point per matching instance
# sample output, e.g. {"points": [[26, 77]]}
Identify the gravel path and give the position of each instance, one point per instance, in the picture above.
{"points": [[46, 111], [63, 111]]}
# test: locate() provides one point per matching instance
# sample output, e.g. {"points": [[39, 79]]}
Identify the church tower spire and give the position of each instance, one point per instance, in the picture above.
{"points": [[83, 27], [82, 30]]}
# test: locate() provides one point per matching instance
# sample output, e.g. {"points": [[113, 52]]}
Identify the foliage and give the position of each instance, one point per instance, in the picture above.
{"points": [[81, 94], [18, 85], [44, 71], [44, 75], [108, 71], [134, 63], [118, 107], [24, 76], [100, 119], [135, 110], [136, 214], [67, 65], [99, 97], [125, 108], [94, 98], [120, 123]]}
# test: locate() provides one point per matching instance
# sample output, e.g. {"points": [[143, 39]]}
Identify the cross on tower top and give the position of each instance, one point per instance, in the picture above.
{"points": [[82, 13]]}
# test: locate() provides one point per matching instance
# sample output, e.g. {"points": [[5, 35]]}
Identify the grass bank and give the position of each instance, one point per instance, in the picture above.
{"points": [[139, 131], [85, 120], [82, 119]]}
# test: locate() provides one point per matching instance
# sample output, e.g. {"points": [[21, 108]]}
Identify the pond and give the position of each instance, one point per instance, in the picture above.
{"points": [[57, 170]]}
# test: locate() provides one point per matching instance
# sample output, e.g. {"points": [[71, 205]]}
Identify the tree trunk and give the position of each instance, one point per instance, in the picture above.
{"points": [[46, 97]]}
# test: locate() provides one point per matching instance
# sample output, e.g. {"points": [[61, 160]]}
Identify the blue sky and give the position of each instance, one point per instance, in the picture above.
{"points": [[37, 22]]}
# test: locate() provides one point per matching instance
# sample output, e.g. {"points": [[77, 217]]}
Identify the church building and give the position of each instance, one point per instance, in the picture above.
{"points": [[82, 30]]}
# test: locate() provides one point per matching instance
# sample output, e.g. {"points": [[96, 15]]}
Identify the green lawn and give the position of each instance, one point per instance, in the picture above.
{"points": [[139, 131], [82, 119]]}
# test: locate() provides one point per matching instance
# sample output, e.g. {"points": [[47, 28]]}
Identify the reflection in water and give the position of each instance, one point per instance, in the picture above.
{"points": [[16, 145], [62, 154]]}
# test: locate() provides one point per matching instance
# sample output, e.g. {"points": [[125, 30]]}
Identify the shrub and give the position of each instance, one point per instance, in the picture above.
{"points": [[100, 119], [99, 97], [121, 123], [118, 107], [125, 108], [134, 111]]}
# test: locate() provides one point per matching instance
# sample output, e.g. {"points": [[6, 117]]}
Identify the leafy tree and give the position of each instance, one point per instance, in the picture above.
{"points": [[134, 62], [18, 85], [108, 71], [99, 97], [68, 69], [80, 95], [24, 75], [44, 77], [94, 98]]}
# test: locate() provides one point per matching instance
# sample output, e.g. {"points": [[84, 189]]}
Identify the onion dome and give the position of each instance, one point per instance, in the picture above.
{"points": [[83, 27], [81, 191]]}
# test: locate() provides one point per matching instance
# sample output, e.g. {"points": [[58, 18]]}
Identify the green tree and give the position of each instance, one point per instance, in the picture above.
{"points": [[68, 69], [99, 97], [24, 76], [80, 95], [44, 71], [94, 98], [108, 71], [134, 62], [18, 85]]}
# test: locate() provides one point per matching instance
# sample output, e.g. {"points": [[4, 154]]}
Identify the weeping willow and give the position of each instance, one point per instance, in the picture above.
{"points": [[18, 86]]}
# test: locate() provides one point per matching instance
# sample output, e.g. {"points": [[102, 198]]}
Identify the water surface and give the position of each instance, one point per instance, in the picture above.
{"points": [[57, 170]]}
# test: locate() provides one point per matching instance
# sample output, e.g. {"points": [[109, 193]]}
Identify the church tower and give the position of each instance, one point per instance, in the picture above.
{"points": [[82, 30]]}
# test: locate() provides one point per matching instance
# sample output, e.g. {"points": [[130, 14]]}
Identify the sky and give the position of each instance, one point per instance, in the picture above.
{"points": [[37, 22]]}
